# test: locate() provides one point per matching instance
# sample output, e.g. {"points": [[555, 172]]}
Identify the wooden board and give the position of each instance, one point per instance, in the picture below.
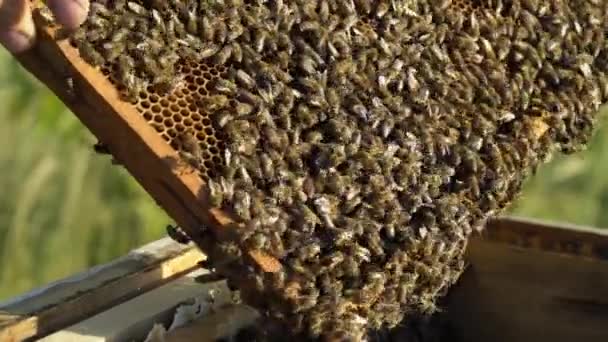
{"points": [[510, 293], [133, 319], [73, 299]]}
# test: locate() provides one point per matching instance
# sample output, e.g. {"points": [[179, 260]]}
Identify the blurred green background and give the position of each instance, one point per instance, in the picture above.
{"points": [[63, 208]]}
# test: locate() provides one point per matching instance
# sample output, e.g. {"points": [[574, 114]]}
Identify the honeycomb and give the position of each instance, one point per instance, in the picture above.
{"points": [[471, 6], [182, 110], [464, 6]]}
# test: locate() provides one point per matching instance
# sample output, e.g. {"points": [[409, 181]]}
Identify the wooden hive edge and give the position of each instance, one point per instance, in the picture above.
{"points": [[67, 301]]}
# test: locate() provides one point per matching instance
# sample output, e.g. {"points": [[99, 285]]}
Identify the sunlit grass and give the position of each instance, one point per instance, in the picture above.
{"points": [[572, 188], [63, 208]]}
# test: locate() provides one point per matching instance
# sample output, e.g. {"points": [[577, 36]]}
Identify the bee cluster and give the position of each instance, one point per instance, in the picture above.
{"points": [[365, 140]]}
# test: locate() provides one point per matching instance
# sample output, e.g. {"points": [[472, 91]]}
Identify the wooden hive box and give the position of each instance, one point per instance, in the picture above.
{"points": [[526, 281]]}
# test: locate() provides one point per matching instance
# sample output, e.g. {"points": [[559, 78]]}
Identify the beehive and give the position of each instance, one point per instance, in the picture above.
{"points": [[183, 117]]}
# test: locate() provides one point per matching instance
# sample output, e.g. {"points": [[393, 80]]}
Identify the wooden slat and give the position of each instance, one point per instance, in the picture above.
{"points": [[133, 319], [73, 299], [221, 324], [548, 236], [511, 293]]}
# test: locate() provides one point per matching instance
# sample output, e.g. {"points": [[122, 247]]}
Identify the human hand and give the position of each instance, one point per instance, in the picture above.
{"points": [[17, 31]]}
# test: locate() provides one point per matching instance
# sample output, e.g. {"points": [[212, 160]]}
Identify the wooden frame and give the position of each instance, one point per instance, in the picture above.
{"points": [[527, 281], [173, 184]]}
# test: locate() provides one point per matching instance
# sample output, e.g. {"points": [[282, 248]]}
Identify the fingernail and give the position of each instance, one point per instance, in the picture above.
{"points": [[16, 41], [69, 13]]}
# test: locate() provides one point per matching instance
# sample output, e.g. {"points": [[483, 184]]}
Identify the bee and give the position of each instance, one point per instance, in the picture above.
{"points": [[99, 22], [98, 9], [168, 59], [137, 8], [258, 241], [220, 32], [216, 195], [223, 55], [177, 234], [242, 204], [303, 303], [309, 251], [215, 102], [190, 148], [112, 50], [244, 79], [90, 55]]}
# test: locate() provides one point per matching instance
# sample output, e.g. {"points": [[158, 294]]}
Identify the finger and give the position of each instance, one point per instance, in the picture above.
{"points": [[69, 13], [17, 30]]}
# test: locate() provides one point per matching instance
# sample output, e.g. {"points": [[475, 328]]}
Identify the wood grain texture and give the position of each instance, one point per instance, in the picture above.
{"points": [[60, 304], [510, 293], [133, 319]]}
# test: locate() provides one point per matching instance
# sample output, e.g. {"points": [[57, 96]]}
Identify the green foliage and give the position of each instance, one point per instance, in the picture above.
{"points": [[64, 208], [571, 188]]}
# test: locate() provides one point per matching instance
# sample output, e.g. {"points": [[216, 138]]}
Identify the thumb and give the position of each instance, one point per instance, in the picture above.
{"points": [[17, 30], [69, 13]]}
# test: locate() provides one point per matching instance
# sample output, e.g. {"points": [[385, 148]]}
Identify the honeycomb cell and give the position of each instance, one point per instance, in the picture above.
{"points": [[188, 122], [145, 104], [168, 123], [203, 92], [156, 109], [177, 116]]}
